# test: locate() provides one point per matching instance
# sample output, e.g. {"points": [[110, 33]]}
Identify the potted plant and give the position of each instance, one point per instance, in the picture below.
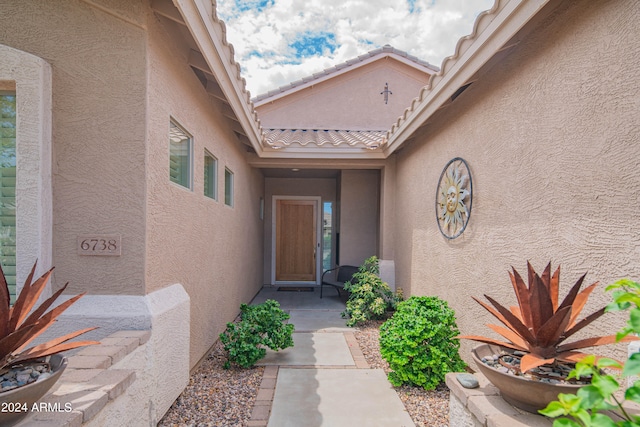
{"points": [[27, 373], [531, 366]]}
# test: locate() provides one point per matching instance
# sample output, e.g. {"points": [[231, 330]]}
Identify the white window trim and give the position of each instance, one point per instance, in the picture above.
{"points": [[189, 187], [233, 179], [215, 175]]}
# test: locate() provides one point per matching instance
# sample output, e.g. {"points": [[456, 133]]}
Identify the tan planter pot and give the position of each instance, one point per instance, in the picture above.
{"points": [[17, 403], [521, 392]]}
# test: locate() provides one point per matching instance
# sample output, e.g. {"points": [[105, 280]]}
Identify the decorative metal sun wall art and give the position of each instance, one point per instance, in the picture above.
{"points": [[453, 198]]}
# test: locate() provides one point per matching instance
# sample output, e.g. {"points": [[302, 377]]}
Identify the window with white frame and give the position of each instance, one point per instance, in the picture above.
{"points": [[210, 175], [180, 159], [8, 189], [228, 187]]}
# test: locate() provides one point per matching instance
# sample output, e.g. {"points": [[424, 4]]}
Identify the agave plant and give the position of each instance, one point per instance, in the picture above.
{"points": [[21, 324], [539, 324]]}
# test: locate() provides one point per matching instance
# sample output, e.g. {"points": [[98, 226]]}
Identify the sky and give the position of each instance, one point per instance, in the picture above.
{"points": [[278, 42]]}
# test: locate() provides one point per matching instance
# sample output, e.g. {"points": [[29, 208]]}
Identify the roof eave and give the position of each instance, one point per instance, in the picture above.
{"points": [[209, 40], [492, 30], [323, 153]]}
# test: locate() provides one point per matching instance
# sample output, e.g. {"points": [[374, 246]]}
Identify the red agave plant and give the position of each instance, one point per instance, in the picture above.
{"points": [[21, 324], [539, 325]]}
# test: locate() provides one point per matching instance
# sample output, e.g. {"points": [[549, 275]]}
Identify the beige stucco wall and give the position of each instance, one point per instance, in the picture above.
{"points": [[551, 137], [359, 215], [118, 75], [338, 103], [213, 250], [30, 78], [99, 87]]}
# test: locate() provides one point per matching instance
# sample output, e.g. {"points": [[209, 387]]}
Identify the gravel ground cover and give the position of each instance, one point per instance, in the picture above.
{"points": [[427, 408], [218, 397], [215, 396]]}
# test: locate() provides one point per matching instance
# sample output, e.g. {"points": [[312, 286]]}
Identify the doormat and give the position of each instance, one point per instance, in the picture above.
{"points": [[295, 289]]}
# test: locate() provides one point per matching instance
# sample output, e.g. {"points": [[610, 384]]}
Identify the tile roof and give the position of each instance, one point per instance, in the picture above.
{"points": [[382, 52], [282, 138], [449, 65]]}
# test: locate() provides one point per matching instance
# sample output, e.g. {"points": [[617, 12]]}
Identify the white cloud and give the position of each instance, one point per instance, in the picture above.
{"points": [[266, 33]]}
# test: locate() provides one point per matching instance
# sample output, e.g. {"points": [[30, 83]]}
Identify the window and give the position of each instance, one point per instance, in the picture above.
{"points": [[228, 187], [8, 189], [327, 235], [210, 176], [179, 156]]}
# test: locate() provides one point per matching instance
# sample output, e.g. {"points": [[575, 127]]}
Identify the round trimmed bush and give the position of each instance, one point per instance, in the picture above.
{"points": [[418, 343]]}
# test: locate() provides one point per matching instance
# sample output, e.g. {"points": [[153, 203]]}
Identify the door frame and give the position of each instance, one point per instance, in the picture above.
{"points": [[317, 212]]}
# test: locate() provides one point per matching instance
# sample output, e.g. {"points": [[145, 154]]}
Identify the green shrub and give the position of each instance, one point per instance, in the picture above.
{"points": [[587, 407], [260, 325], [418, 342], [370, 297]]}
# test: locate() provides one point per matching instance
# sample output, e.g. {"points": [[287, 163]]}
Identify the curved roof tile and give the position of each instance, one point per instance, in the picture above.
{"points": [[481, 23], [221, 30], [282, 138]]}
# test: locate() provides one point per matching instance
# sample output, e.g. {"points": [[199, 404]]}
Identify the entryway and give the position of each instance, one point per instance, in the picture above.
{"points": [[296, 231]]}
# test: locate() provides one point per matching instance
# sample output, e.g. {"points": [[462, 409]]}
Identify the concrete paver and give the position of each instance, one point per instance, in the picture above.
{"points": [[323, 380], [318, 320], [332, 397], [312, 349]]}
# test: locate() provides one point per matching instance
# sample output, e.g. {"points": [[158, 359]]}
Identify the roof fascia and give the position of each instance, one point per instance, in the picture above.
{"points": [[320, 153], [212, 47], [346, 68], [314, 163], [459, 68]]}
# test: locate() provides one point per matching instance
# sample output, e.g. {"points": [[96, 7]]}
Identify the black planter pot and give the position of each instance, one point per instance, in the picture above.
{"points": [[521, 392], [15, 401]]}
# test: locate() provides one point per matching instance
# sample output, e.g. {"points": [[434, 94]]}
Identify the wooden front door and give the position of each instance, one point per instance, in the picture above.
{"points": [[296, 240]]}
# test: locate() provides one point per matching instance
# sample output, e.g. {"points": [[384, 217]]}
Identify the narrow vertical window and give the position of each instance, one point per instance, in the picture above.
{"points": [[327, 235], [180, 147], [8, 189], [228, 187], [210, 176]]}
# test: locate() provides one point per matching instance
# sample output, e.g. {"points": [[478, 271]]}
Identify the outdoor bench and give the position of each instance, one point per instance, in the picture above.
{"points": [[343, 274]]}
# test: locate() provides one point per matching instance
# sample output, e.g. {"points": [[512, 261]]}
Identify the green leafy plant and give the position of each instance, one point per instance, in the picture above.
{"points": [[586, 406], [419, 342], [540, 324], [369, 296], [260, 326], [24, 322]]}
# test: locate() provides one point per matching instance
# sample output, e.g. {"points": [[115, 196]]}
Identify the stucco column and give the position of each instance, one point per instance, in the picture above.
{"points": [[387, 220]]}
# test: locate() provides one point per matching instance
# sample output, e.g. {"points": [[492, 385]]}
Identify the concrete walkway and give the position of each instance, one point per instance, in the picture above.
{"points": [[324, 379]]}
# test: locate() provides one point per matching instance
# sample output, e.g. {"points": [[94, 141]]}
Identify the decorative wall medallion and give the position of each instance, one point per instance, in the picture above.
{"points": [[453, 198]]}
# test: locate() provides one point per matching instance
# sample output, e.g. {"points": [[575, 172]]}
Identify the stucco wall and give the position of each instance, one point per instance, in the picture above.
{"points": [[30, 78], [213, 250], [97, 59], [118, 75], [359, 215], [551, 137], [338, 103]]}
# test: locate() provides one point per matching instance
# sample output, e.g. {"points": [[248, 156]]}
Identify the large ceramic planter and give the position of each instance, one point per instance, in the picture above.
{"points": [[521, 392], [14, 402]]}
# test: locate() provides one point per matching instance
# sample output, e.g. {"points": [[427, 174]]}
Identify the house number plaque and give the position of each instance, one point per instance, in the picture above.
{"points": [[99, 244]]}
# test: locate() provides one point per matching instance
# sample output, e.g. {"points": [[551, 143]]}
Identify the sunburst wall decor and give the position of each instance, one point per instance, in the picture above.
{"points": [[453, 198]]}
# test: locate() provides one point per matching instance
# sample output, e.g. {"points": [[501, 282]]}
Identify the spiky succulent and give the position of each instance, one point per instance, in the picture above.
{"points": [[539, 324], [19, 325]]}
